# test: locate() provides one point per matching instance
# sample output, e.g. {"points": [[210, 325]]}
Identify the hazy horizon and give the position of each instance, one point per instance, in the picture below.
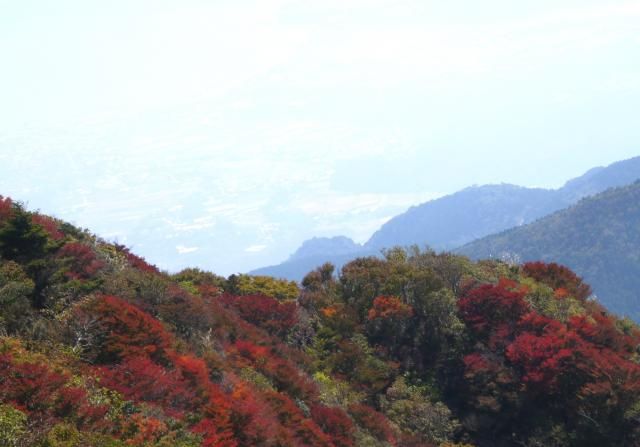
{"points": [[223, 135]]}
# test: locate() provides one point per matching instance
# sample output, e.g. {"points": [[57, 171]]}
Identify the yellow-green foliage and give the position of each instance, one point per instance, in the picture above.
{"points": [[279, 289], [62, 435], [189, 286], [114, 400], [334, 393], [364, 439], [413, 412], [12, 426], [114, 259], [259, 380], [543, 300]]}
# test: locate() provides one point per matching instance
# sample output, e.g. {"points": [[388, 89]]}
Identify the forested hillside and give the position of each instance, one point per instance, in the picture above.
{"points": [[599, 238], [99, 348]]}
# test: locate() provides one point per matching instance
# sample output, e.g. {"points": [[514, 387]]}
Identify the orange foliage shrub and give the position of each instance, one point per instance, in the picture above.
{"points": [[389, 307]]}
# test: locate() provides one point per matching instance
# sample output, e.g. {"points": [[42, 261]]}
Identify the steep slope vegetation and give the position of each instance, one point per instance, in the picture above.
{"points": [[101, 349], [599, 238]]}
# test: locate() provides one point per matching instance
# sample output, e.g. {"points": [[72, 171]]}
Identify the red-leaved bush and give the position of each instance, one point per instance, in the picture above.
{"points": [[81, 259], [282, 372], [304, 432], [141, 380], [336, 423], [130, 332], [559, 278], [493, 310], [37, 389], [263, 311], [587, 363], [49, 224]]}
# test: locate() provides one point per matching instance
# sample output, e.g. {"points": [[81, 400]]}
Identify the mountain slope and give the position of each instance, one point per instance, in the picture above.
{"points": [[459, 218], [338, 245], [314, 252], [600, 179], [599, 238], [98, 348], [417, 349], [474, 212]]}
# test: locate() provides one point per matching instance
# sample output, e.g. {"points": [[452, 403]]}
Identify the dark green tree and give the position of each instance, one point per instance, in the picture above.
{"points": [[20, 239]]}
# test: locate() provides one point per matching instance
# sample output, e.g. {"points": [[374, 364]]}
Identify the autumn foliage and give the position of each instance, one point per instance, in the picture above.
{"points": [[49, 224], [559, 278], [586, 364], [82, 261], [336, 423], [389, 307], [32, 386], [6, 208], [100, 348], [265, 312], [129, 332]]}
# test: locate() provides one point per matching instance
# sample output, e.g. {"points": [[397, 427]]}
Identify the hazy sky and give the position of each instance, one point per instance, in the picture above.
{"points": [[223, 134]]}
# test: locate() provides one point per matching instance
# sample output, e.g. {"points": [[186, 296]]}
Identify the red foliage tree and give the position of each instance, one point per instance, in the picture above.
{"points": [[492, 311], [35, 388], [211, 435], [194, 370], [30, 386], [130, 332], [600, 328], [141, 380], [305, 432], [254, 421], [263, 311], [219, 427], [283, 373], [81, 259], [588, 347], [336, 423], [544, 359], [558, 277]]}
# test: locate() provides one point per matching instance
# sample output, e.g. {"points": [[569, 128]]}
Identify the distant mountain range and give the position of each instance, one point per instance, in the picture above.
{"points": [[457, 219], [598, 238], [338, 250]]}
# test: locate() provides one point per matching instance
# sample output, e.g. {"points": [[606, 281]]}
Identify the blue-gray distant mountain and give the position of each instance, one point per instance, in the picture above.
{"points": [[314, 252], [457, 219], [320, 246], [598, 238], [475, 212]]}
